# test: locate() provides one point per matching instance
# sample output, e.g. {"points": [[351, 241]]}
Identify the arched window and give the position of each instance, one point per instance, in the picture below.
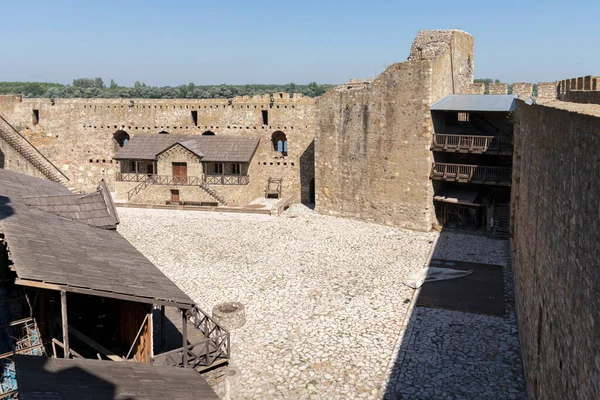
{"points": [[280, 142], [121, 138], [208, 133]]}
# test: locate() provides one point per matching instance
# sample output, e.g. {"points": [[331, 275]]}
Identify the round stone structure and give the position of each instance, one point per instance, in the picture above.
{"points": [[231, 315]]}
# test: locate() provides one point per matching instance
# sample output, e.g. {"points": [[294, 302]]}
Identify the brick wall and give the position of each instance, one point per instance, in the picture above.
{"points": [[556, 243]]}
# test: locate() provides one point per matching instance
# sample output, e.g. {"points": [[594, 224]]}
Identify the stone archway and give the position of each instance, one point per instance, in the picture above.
{"points": [[280, 144], [120, 138], [208, 133]]}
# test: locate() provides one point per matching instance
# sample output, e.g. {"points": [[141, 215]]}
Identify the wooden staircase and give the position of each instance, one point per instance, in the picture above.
{"points": [[11, 136], [501, 220], [214, 194]]}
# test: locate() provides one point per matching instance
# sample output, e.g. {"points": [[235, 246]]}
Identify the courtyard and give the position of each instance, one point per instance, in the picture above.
{"points": [[326, 310]]}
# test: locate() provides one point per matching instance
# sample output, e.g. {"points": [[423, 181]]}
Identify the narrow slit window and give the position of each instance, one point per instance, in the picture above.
{"points": [[195, 118], [36, 117], [265, 117]]}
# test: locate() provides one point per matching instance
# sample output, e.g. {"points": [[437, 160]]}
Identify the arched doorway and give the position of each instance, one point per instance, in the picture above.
{"points": [[208, 133], [120, 139], [280, 143], [163, 133]]}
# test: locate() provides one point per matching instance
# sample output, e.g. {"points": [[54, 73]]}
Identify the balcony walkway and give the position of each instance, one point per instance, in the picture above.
{"points": [[473, 144], [463, 173]]}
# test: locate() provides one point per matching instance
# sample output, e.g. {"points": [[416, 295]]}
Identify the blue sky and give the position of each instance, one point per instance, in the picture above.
{"points": [[210, 42]]}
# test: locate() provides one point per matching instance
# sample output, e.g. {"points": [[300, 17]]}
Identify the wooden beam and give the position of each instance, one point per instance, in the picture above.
{"points": [[163, 318], [184, 335], [65, 322], [95, 345], [100, 293], [17, 322]]}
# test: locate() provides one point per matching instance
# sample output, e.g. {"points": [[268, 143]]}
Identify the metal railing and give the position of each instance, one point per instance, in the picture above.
{"points": [[470, 143], [471, 173]]}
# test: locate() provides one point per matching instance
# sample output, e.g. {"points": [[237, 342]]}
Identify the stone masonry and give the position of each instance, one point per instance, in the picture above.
{"points": [[556, 236], [372, 154]]}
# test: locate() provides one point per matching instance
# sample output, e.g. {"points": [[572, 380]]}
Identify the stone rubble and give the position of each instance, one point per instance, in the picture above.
{"points": [[325, 306]]}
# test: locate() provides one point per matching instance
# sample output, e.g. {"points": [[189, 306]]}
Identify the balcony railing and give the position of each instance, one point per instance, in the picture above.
{"points": [[151, 179], [471, 174], [471, 144], [226, 179]]}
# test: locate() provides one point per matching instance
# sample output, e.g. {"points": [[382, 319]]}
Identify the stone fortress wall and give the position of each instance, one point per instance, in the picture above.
{"points": [[556, 247], [373, 150], [77, 134]]}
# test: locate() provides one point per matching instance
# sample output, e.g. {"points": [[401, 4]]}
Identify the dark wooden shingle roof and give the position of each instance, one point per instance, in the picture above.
{"points": [[58, 378], [95, 208], [208, 148], [53, 250]]}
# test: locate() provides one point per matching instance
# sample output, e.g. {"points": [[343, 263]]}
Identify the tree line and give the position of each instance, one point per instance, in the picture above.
{"points": [[96, 88]]}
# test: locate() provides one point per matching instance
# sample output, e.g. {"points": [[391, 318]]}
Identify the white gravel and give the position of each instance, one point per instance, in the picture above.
{"points": [[324, 300], [326, 312]]}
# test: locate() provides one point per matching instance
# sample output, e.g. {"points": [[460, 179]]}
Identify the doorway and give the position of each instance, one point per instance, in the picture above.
{"points": [[179, 172], [174, 196]]}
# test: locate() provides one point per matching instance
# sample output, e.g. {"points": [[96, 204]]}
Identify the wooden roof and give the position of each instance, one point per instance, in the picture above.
{"points": [[54, 252], [58, 378], [95, 208], [208, 148]]}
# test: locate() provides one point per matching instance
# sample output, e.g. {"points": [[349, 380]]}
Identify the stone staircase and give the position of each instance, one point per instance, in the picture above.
{"points": [[213, 193], [501, 221], [14, 139]]}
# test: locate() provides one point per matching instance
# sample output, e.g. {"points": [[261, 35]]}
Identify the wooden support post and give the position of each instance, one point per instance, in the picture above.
{"points": [[184, 334], [65, 322], [162, 328]]}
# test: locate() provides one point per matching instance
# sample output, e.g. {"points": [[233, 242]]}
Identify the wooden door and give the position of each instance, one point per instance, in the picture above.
{"points": [[179, 172], [174, 196]]}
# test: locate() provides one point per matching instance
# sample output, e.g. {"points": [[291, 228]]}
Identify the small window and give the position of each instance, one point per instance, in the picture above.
{"points": [[218, 168], [265, 117], [236, 168], [463, 117], [36, 117], [195, 118]]}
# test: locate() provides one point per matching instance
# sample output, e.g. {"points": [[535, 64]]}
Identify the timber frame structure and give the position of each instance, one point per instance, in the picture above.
{"points": [[84, 291]]}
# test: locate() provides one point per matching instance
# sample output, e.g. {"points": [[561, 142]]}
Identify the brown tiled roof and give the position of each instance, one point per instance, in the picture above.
{"points": [[71, 255], [208, 148], [95, 208], [79, 378]]}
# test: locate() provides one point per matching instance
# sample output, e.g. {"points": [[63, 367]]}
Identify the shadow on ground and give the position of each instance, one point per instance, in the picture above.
{"points": [[449, 354]]}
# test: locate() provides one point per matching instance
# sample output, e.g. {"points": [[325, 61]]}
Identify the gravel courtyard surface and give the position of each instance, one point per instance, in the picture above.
{"points": [[324, 300], [326, 310]]}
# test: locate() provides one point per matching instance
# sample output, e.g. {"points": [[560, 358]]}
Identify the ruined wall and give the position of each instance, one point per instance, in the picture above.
{"points": [[556, 243], [77, 134], [372, 152]]}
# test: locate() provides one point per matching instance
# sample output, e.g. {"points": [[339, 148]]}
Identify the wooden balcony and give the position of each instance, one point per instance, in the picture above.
{"points": [[474, 144], [462, 173], [226, 179], [151, 179]]}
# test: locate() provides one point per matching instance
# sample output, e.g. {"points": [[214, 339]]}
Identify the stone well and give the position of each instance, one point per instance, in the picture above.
{"points": [[231, 315]]}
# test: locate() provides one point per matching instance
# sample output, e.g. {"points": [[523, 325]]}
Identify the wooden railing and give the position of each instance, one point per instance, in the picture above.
{"points": [[183, 181], [205, 352], [226, 179], [470, 143], [471, 173]]}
